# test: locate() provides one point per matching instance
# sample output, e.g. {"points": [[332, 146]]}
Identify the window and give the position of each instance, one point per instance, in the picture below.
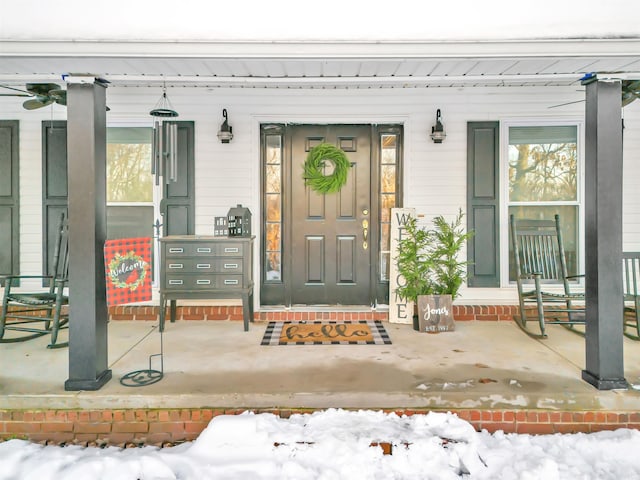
{"points": [[388, 194], [130, 210], [544, 180], [273, 208]]}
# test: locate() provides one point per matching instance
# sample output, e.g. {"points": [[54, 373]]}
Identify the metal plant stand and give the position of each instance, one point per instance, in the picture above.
{"points": [[142, 378]]}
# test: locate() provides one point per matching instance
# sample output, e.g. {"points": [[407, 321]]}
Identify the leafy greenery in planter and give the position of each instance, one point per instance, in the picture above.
{"points": [[428, 258]]}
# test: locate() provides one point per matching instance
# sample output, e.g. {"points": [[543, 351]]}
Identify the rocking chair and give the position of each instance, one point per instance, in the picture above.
{"points": [[38, 313], [539, 260], [631, 293]]}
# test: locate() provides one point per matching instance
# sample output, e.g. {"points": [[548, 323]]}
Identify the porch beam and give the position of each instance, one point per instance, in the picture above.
{"points": [[308, 49], [86, 160], [603, 236]]}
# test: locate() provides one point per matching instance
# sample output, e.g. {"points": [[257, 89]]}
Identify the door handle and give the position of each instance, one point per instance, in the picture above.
{"points": [[365, 233]]}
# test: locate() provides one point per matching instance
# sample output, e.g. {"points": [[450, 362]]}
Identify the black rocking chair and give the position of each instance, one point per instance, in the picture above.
{"points": [[38, 313], [631, 292], [540, 263]]}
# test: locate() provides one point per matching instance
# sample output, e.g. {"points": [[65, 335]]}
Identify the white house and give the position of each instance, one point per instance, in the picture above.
{"points": [[369, 77], [367, 65]]}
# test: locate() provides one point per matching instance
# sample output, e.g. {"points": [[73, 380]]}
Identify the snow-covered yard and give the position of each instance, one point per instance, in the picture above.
{"points": [[339, 444]]}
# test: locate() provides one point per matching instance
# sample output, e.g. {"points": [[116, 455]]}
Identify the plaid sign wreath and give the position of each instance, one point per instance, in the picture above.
{"points": [[128, 270]]}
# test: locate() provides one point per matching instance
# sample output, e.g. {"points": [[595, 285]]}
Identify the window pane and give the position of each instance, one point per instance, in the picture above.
{"points": [[272, 179], [387, 202], [273, 236], [384, 266], [568, 223], [273, 208], [388, 148], [273, 149], [385, 242], [388, 178], [129, 221], [543, 164], [385, 235], [129, 164], [273, 267]]}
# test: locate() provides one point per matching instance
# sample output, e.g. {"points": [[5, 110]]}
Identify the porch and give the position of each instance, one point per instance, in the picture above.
{"points": [[488, 372]]}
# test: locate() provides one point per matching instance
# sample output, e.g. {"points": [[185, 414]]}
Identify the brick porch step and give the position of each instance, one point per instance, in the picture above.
{"points": [[234, 312]]}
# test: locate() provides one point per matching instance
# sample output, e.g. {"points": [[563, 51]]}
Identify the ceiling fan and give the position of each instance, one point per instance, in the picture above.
{"points": [[630, 91], [42, 94]]}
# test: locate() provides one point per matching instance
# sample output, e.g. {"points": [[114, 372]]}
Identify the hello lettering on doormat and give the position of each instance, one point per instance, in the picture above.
{"points": [[356, 332]]}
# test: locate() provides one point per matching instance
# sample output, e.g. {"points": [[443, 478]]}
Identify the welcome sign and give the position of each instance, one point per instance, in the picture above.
{"points": [[128, 270], [400, 309]]}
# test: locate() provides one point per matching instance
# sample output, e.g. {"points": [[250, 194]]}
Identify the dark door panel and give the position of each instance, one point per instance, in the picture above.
{"points": [[330, 261]]}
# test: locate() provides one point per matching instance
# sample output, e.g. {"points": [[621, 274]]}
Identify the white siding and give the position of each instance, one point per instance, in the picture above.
{"points": [[227, 174]]}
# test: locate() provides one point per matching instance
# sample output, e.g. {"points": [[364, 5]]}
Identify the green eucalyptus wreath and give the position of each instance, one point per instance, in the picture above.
{"points": [[313, 175]]}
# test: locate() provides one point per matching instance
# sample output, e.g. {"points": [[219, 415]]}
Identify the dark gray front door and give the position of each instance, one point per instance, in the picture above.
{"points": [[330, 233]]}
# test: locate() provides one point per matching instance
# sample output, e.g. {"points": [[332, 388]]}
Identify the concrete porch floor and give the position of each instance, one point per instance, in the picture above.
{"points": [[215, 364]]}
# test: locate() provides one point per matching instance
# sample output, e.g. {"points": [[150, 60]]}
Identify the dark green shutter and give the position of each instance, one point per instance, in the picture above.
{"points": [[9, 198], [55, 190], [483, 204], [178, 200]]}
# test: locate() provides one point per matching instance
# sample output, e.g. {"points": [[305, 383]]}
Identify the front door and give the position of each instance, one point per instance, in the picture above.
{"points": [[330, 233]]}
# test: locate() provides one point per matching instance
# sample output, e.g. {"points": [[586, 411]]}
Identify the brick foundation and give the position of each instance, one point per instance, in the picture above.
{"points": [[137, 427], [460, 313], [134, 427]]}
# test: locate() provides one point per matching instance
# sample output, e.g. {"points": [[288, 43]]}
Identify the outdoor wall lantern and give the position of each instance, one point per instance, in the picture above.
{"points": [[164, 145], [437, 131], [225, 134]]}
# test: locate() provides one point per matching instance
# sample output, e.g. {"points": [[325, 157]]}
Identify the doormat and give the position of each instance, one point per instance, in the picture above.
{"points": [[323, 332]]}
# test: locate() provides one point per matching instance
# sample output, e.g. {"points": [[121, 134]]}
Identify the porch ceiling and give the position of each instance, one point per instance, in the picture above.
{"points": [[321, 65]]}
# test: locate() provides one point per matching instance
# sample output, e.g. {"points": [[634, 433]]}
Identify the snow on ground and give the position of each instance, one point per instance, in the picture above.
{"points": [[339, 444]]}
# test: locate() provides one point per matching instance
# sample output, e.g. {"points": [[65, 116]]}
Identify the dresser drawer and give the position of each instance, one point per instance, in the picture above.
{"points": [[202, 282], [204, 265], [197, 249]]}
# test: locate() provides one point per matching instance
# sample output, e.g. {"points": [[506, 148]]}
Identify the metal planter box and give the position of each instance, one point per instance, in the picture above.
{"points": [[435, 314]]}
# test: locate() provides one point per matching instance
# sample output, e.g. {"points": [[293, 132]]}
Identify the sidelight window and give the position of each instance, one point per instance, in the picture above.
{"points": [[273, 208], [389, 156]]}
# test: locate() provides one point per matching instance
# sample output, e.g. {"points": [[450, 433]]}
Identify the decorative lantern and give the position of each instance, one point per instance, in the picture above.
{"points": [[437, 131], [239, 221]]}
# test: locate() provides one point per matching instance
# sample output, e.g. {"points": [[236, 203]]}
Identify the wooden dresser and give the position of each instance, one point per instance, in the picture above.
{"points": [[203, 267]]}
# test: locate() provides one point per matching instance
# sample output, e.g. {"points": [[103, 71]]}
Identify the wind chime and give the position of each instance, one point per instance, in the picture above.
{"points": [[164, 147]]}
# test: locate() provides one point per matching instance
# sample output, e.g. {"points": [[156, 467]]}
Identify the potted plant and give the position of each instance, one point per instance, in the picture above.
{"points": [[428, 260]]}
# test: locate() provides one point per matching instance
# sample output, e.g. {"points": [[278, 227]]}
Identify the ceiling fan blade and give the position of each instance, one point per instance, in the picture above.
{"points": [[627, 99], [59, 96], [566, 103], [22, 93], [35, 103], [42, 88], [630, 91]]}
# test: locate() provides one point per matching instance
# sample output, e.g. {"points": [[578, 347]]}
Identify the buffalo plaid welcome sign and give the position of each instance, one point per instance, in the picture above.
{"points": [[128, 270]]}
